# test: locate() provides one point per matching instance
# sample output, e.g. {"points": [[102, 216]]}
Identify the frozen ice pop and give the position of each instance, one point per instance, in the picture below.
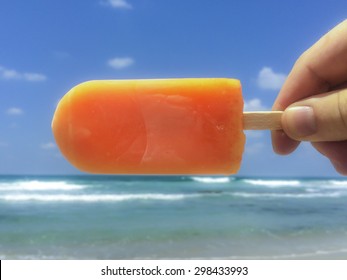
{"points": [[159, 126]]}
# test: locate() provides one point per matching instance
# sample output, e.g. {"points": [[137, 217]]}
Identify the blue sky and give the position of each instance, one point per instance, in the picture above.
{"points": [[47, 47]]}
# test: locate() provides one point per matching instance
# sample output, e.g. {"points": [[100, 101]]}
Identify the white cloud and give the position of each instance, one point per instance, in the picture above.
{"points": [[11, 74], [14, 111], [121, 62], [34, 77], [254, 148], [268, 79], [48, 146], [118, 4], [254, 104]]}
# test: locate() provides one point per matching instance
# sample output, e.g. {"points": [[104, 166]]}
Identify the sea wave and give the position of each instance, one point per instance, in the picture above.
{"points": [[332, 254], [96, 197], [303, 183], [35, 185], [289, 195], [273, 183], [159, 196], [209, 180], [337, 184]]}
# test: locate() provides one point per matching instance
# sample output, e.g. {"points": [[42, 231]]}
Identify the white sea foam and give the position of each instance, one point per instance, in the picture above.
{"points": [[325, 184], [208, 180], [273, 183], [96, 197], [34, 257], [338, 184], [289, 195], [39, 186], [331, 254]]}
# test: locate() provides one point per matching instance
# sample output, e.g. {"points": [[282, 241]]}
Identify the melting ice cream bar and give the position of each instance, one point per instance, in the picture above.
{"points": [[165, 126]]}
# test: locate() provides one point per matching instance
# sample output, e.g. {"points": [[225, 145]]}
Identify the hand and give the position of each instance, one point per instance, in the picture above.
{"points": [[314, 100]]}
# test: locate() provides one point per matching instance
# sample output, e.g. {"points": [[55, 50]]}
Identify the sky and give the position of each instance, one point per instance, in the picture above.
{"points": [[47, 47]]}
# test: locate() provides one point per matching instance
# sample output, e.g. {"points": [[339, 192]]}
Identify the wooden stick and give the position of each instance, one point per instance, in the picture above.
{"points": [[262, 120]]}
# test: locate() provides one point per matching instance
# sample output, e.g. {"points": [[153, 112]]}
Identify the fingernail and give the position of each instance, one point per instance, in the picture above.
{"points": [[300, 121]]}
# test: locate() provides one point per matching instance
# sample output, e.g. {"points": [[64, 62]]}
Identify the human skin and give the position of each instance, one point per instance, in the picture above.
{"points": [[314, 100]]}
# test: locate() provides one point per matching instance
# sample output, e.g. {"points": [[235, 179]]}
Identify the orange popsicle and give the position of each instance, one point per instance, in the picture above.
{"points": [[165, 126]]}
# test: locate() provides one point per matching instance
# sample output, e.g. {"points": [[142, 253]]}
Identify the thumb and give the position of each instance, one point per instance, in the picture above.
{"points": [[319, 118]]}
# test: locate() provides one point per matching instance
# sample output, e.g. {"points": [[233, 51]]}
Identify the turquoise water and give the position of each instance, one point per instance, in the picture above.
{"points": [[106, 217]]}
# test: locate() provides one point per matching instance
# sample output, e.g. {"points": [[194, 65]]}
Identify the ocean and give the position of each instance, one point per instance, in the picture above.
{"points": [[174, 217]]}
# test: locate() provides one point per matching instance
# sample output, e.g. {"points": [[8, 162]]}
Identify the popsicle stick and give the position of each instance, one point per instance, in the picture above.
{"points": [[262, 120]]}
